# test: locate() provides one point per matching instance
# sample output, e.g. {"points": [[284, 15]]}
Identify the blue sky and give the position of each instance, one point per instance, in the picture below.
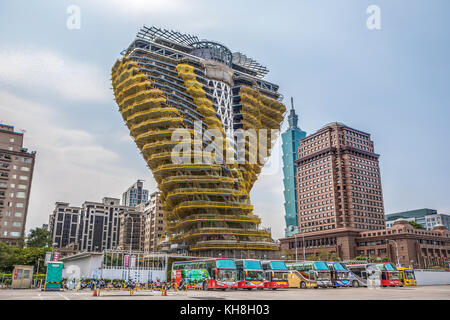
{"points": [[392, 83]]}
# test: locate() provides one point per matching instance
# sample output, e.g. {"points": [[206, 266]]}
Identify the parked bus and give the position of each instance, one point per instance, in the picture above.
{"points": [[313, 271], [210, 273], [339, 274], [250, 274], [275, 274], [386, 274], [406, 276]]}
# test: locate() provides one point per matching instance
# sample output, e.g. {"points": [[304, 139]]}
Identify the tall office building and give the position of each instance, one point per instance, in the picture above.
{"points": [[291, 142], [16, 173], [166, 81], [63, 224], [135, 195], [339, 182]]}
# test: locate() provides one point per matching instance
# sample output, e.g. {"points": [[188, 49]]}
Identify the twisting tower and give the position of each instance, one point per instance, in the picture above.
{"points": [[167, 81]]}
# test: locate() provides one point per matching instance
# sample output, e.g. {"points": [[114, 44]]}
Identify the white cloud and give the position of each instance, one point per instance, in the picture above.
{"points": [[70, 165], [38, 69]]}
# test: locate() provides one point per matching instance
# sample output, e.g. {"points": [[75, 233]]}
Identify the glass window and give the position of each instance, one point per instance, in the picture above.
{"points": [[222, 263], [320, 265]]}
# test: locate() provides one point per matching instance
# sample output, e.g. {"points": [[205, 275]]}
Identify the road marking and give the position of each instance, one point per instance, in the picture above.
{"points": [[63, 296]]}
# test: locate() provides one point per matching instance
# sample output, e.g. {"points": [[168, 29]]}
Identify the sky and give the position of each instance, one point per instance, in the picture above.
{"points": [[391, 82]]}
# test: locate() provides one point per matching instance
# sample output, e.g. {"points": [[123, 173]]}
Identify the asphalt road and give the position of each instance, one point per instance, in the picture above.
{"points": [[405, 293]]}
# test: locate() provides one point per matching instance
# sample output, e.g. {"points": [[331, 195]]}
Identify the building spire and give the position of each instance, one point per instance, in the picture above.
{"points": [[292, 118]]}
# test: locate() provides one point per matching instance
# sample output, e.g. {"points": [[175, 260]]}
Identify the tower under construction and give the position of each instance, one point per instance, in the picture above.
{"points": [[166, 81]]}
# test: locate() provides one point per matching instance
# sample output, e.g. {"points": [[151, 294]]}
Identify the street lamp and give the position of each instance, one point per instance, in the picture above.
{"points": [[396, 247]]}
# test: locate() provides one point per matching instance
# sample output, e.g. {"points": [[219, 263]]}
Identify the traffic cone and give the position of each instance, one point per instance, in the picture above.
{"points": [[95, 293]]}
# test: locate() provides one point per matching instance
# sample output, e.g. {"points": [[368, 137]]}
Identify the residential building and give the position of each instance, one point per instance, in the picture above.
{"points": [[16, 174], [199, 85], [291, 142], [339, 183], [135, 195], [154, 222]]}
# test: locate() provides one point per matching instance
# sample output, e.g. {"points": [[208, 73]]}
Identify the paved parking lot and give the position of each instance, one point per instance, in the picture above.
{"points": [[405, 293]]}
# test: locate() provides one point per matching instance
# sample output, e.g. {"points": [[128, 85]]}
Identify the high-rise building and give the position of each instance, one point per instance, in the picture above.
{"points": [[131, 234], [100, 224], [135, 195], [167, 81], [291, 142], [63, 224], [16, 173], [339, 183], [154, 222]]}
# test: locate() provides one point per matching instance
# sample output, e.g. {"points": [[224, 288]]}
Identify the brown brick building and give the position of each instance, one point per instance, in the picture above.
{"points": [[16, 173], [340, 205], [338, 181], [419, 248]]}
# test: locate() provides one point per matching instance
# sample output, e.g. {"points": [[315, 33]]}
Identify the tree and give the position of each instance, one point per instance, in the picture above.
{"points": [[416, 225], [39, 238]]}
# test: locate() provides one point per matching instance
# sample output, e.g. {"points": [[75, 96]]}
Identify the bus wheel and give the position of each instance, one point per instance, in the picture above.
{"points": [[205, 286], [249, 289], [224, 289], [274, 288], [303, 285], [355, 284]]}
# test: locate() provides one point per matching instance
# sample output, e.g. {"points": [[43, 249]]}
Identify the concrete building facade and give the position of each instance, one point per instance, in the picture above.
{"points": [[63, 224], [154, 222], [16, 173]]}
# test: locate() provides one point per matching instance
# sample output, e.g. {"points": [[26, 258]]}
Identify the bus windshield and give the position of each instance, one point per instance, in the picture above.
{"points": [[320, 265], [226, 264], [390, 267], [226, 275], [252, 265], [277, 265], [340, 267], [254, 275], [392, 275], [280, 276], [409, 274]]}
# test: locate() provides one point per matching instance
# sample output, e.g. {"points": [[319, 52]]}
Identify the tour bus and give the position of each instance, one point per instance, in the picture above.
{"points": [[275, 274], [407, 277], [211, 273], [386, 274], [250, 274], [339, 274], [313, 271]]}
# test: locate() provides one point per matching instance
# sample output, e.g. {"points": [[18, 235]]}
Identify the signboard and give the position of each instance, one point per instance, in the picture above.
{"points": [[133, 262], [55, 256], [126, 261], [15, 273]]}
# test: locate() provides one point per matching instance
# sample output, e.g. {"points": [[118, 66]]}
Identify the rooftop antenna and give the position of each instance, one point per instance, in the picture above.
{"points": [[292, 103]]}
